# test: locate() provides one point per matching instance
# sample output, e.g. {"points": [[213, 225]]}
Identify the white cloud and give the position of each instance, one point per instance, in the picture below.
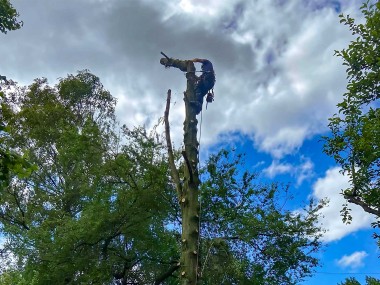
{"points": [[292, 83], [330, 186], [277, 78], [303, 171], [277, 168], [353, 261]]}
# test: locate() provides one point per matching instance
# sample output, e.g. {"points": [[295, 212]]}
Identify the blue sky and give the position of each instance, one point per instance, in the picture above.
{"points": [[347, 252], [277, 84]]}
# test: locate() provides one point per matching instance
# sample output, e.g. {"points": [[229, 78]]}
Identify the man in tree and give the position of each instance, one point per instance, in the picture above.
{"points": [[223, 235], [205, 83]]}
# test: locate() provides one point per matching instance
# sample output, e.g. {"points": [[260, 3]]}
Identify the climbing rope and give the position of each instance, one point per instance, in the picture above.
{"points": [[200, 197], [200, 205]]}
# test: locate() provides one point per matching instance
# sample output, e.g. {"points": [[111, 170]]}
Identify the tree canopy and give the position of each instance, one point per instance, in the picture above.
{"points": [[353, 281], [8, 17], [99, 207], [8, 160], [355, 131]]}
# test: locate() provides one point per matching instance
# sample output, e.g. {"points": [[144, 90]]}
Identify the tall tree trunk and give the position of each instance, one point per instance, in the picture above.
{"points": [[188, 190]]}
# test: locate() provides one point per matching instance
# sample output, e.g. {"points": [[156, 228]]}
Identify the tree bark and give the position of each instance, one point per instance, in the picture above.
{"points": [[189, 195], [366, 207]]}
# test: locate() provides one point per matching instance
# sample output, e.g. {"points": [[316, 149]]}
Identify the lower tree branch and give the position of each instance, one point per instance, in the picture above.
{"points": [[166, 274]]}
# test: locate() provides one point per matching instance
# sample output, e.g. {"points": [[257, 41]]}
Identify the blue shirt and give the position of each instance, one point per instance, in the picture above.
{"points": [[207, 66]]}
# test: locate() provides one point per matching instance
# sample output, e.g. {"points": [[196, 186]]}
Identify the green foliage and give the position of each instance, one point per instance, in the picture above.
{"points": [[350, 281], [95, 203], [372, 281], [248, 236], [8, 17], [98, 206], [353, 281], [355, 137], [10, 161], [12, 277]]}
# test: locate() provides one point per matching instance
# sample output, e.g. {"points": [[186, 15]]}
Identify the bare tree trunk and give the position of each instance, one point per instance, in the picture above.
{"points": [[188, 190]]}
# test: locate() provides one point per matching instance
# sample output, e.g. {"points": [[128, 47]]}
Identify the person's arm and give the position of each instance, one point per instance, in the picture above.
{"points": [[201, 60]]}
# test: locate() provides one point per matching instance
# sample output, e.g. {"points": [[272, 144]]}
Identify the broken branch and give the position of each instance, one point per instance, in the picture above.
{"points": [[174, 171]]}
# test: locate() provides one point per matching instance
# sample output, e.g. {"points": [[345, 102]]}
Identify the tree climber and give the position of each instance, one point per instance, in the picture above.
{"points": [[204, 84]]}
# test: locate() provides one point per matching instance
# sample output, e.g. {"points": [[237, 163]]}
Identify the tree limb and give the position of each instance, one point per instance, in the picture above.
{"points": [[174, 171], [362, 204], [166, 274]]}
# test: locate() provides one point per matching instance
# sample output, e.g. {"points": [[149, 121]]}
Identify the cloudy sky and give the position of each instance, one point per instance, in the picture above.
{"points": [[277, 83]]}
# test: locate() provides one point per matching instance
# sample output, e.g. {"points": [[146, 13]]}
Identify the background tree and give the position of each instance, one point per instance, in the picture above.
{"points": [[10, 161], [8, 17], [355, 131], [99, 207], [353, 281], [8, 22], [247, 235], [92, 201]]}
